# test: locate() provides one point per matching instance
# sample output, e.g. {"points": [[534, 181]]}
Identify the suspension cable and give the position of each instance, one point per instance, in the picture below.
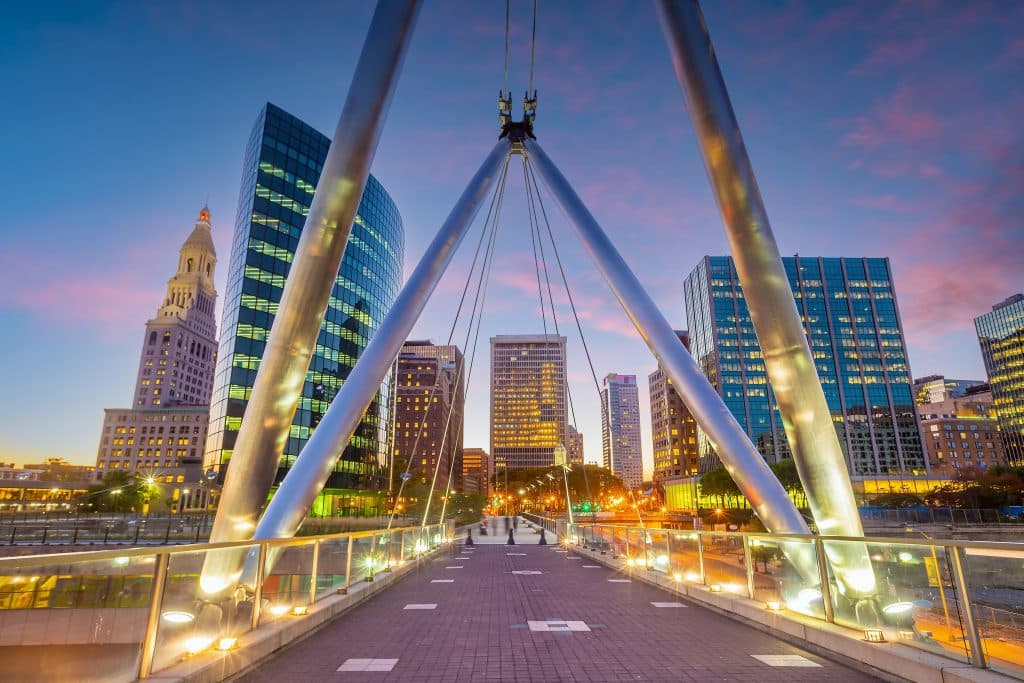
{"points": [[451, 334], [533, 44], [508, 17], [485, 279], [534, 236], [476, 315], [572, 303], [532, 193], [604, 408]]}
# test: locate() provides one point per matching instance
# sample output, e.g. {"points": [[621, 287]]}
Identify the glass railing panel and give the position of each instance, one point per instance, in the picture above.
{"points": [[784, 573], [199, 612], [656, 550], [365, 561], [724, 568], [286, 580], [684, 556], [71, 620], [618, 535], [331, 566], [995, 584], [914, 601]]}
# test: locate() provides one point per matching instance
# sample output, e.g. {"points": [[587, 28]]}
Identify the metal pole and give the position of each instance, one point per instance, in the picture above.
{"points": [[956, 556], [826, 589], [744, 463], [748, 559], [307, 476], [314, 571], [787, 355], [348, 566], [156, 604], [282, 372], [257, 591], [700, 557]]}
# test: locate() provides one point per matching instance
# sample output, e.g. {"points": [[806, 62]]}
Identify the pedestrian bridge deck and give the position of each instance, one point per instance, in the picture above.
{"points": [[537, 613]]}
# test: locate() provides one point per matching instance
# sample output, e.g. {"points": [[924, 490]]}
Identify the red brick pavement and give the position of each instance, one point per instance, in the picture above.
{"points": [[479, 632]]}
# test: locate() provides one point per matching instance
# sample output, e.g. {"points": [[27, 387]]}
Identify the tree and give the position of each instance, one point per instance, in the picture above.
{"points": [[118, 492], [897, 500], [983, 489], [718, 483]]}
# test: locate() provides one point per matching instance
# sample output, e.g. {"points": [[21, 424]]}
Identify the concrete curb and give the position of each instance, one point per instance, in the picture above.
{"points": [[890, 661]]}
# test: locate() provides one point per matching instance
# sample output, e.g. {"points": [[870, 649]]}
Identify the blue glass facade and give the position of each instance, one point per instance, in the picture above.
{"points": [[1001, 335], [850, 314], [282, 165]]}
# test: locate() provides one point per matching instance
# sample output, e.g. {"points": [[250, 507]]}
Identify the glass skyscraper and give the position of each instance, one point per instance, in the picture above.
{"points": [[849, 310], [1001, 335], [282, 165]]}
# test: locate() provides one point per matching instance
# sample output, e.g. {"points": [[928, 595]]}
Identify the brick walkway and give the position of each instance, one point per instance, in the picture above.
{"points": [[567, 623]]}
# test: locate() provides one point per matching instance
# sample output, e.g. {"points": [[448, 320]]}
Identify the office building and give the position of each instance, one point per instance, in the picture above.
{"points": [[428, 415], [620, 429], [961, 433], [528, 400], [476, 471], [574, 447], [673, 429], [450, 357], [852, 321], [161, 437], [936, 388], [281, 167], [1001, 335]]}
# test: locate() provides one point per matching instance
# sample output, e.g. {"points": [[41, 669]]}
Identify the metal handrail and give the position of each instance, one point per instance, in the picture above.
{"points": [[956, 549], [146, 551], [890, 540]]}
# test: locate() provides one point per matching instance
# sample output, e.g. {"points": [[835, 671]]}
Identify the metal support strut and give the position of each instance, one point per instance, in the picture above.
{"points": [[282, 372], [314, 464], [787, 356], [741, 459]]}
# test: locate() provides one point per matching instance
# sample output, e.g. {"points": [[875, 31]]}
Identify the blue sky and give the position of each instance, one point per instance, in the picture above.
{"points": [[875, 128]]}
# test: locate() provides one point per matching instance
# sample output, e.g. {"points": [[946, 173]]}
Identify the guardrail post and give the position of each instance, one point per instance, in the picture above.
{"points": [[348, 567], [257, 591], [748, 560], [156, 604], [956, 554], [314, 571], [700, 557], [401, 547], [625, 530], [74, 536], [138, 527], [668, 552], [46, 532], [826, 589]]}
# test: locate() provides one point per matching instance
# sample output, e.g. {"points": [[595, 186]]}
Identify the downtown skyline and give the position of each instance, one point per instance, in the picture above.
{"points": [[857, 144]]}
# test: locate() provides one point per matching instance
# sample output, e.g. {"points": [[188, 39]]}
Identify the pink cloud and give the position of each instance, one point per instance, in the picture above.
{"points": [[110, 305], [896, 120], [891, 53]]}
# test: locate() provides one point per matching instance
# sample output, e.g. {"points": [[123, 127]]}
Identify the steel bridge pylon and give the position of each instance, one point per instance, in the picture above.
{"points": [[788, 359]]}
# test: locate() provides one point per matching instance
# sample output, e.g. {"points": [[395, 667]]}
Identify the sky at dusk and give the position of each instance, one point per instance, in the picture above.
{"points": [[875, 129]]}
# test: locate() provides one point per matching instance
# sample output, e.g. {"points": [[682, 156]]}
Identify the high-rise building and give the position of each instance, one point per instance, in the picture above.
{"points": [[162, 436], [428, 414], [1001, 335], [961, 433], [673, 429], [851, 317], [282, 165], [620, 429], [574, 446], [936, 388], [476, 471], [528, 400]]}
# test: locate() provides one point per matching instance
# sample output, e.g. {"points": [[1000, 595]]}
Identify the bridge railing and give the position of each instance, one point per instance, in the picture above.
{"points": [[118, 615], [956, 598]]}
